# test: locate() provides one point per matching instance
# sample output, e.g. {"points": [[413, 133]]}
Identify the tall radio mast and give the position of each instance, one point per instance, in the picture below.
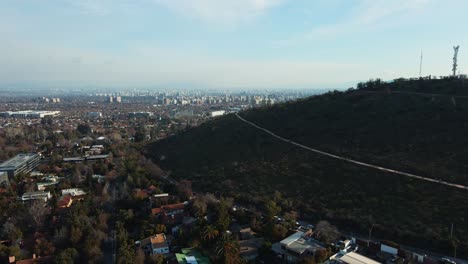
{"points": [[420, 64], [455, 55]]}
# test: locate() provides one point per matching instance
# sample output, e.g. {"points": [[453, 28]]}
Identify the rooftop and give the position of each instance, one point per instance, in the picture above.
{"points": [[301, 245], [355, 258], [292, 238], [17, 160], [191, 256], [156, 241], [168, 208]]}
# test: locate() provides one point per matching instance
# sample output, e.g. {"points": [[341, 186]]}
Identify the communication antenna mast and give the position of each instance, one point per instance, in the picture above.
{"points": [[420, 64], [455, 55]]}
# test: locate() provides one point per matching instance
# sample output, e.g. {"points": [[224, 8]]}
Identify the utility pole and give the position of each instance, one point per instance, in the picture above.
{"points": [[451, 231], [454, 243], [370, 235]]}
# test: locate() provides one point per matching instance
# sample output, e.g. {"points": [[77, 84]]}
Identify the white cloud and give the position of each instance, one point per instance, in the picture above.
{"points": [[368, 15], [220, 11], [91, 7]]}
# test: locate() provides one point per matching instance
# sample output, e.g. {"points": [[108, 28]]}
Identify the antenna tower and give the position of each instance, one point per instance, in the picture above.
{"points": [[420, 64], [455, 56]]}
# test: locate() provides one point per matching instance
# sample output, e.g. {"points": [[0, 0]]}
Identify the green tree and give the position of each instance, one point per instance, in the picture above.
{"points": [[11, 231], [84, 129], [308, 260], [67, 256], [155, 259], [228, 249], [271, 209], [140, 134], [223, 218], [209, 233]]}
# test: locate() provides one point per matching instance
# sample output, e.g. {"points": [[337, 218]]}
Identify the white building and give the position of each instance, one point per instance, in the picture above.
{"points": [[156, 244], [351, 258], [73, 192], [30, 114], [217, 113], [21, 163], [297, 246], [39, 195]]}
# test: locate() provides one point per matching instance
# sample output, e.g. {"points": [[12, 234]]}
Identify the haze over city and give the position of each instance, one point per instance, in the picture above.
{"points": [[225, 44]]}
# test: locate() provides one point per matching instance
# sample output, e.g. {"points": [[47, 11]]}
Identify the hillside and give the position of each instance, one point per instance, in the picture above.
{"points": [[386, 124]]}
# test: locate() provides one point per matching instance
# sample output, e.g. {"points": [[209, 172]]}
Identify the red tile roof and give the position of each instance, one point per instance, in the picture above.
{"points": [[168, 208]]}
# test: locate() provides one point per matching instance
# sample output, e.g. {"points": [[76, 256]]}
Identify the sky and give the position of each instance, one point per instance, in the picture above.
{"points": [[227, 44]]}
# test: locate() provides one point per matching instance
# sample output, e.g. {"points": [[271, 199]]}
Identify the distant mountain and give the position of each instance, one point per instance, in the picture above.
{"points": [[416, 126]]}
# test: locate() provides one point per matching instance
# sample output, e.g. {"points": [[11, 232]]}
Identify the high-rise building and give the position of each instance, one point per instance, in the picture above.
{"points": [[21, 163], [118, 99]]}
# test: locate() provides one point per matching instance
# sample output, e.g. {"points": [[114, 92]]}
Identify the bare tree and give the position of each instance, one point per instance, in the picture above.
{"points": [[326, 231], [37, 212]]}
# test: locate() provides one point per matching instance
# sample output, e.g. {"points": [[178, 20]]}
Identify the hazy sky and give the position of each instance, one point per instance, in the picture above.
{"points": [[227, 43]]}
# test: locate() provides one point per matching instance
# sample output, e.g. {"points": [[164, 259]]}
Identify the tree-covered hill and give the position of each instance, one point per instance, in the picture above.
{"points": [[376, 123]]}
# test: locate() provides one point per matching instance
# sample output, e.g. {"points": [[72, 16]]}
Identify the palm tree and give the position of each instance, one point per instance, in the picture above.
{"points": [[229, 249], [209, 232]]}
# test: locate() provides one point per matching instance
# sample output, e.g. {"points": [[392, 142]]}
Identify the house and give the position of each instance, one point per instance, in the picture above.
{"points": [[156, 244], [191, 256], [33, 260], [351, 258], [65, 201], [297, 246], [171, 213], [41, 186]]}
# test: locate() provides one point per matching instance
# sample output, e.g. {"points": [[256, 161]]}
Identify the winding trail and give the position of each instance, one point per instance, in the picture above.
{"points": [[458, 186]]}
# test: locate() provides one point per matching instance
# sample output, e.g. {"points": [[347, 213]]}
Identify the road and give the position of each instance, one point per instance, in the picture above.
{"points": [[360, 163]]}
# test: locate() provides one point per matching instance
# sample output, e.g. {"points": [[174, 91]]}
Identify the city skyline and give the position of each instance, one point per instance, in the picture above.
{"points": [[221, 44]]}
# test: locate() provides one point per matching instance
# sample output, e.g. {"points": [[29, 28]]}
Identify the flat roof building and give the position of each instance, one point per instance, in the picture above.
{"points": [[21, 163], [38, 195], [30, 114], [352, 258], [73, 192]]}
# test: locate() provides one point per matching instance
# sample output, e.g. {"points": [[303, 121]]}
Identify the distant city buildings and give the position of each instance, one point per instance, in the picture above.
{"points": [[112, 99], [140, 114], [29, 114], [50, 100], [94, 114]]}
